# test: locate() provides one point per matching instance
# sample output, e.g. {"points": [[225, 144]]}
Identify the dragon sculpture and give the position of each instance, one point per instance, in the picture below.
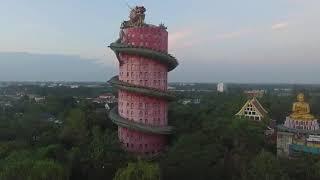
{"points": [[136, 18], [121, 47]]}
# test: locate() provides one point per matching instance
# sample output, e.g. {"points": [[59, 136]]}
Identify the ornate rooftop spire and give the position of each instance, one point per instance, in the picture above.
{"points": [[136, 18]]}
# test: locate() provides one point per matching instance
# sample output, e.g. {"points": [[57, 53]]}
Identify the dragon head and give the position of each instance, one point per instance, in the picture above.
{"points": [[137, 14]]}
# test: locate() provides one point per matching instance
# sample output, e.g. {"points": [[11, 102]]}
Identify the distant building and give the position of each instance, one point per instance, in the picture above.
{"points": [[197, 101], [105, 98], [253, 110], [191, 101], [42, 84], [5, 104], [37, 98], [221, 87], [52, 85], [107, 106], [255, 93], [50, 118], [283, 91], [74, 86], [186, 101]]}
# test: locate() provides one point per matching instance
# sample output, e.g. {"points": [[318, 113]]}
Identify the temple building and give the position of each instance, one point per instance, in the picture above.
{"points": [[253, 110], [144, 63], [300, 132]]}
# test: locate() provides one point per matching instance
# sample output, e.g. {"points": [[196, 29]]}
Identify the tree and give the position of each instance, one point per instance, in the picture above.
{"points": [[105, 154], [140, 170], [75, 128], [266, 167], [28, 165], [195, 156], [47, 169], [305, 167]]}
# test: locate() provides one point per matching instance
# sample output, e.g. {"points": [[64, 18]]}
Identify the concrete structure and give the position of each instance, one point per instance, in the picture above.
{"points": [[144, 63], [297, 139], [253, 110], [221, 87], [106, 98], [190, 101], [300, 132]]}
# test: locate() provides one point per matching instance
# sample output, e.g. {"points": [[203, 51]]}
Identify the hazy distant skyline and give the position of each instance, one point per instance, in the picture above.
{"points": [[231, 41]]}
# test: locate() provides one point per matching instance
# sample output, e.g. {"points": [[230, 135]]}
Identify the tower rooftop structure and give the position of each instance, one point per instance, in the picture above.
{"points": [[253, 110], [144, 62]]}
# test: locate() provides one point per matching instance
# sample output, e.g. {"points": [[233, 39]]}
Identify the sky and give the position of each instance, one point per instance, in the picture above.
{"points": [[247, 41]]}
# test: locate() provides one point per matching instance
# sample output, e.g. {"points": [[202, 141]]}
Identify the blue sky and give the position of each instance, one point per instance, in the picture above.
{"points": [[231, 40]]}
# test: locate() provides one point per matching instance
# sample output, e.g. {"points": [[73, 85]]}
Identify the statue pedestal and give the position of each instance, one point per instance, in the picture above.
{"points": [[301, 124]]}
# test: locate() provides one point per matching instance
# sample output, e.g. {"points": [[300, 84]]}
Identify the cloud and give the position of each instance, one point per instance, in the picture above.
{"points": [[280, 26], [180, 39], [235, 34], [189, 37]]}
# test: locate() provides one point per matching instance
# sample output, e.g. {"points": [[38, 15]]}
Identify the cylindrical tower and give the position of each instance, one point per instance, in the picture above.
{"points": [[142, 109]]}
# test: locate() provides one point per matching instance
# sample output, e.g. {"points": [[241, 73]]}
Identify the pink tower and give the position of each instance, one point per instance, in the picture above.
{"points": [[144, 62]]}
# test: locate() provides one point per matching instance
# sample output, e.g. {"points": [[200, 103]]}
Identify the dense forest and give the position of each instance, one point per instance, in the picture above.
{"points": [[209, 142]]}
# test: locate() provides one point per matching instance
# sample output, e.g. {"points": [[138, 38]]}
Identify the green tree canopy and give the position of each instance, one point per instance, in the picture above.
{"points": [[140, 170], [75, 128], [265, 166]]}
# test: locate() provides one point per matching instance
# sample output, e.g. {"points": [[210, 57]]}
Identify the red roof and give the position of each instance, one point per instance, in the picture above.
{"points": [[257, 104], [254, 102]]}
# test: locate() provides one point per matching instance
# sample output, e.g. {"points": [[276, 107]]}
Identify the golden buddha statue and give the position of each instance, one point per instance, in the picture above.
{"points": [[301, 109]]}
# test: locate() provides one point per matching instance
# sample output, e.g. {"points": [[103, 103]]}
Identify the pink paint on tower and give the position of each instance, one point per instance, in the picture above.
{"points": [[144, 63]]}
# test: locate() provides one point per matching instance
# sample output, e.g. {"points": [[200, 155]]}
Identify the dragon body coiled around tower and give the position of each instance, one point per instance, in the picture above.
{"points": [[144, 62]]}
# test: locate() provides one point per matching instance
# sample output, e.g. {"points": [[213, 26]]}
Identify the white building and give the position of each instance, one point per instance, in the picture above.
{"points": [[106, 98], [221, 87], [74, 86], [190, 101]]}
